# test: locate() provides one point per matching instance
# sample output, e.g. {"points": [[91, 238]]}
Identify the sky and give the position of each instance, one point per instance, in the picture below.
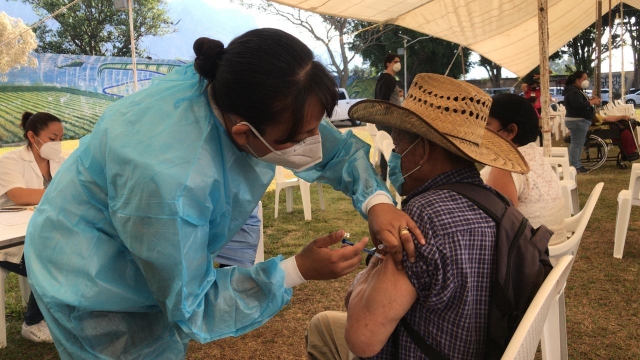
{"points": [[224, 20]]}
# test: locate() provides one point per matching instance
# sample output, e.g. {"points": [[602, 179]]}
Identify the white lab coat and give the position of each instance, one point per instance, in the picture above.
{"points": [[18, 168]]}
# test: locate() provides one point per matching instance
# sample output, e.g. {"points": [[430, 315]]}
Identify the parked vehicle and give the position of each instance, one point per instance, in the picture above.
{"points": [[604, 95], [633, 98], [501, 90], [556, 94], [341, 111]]}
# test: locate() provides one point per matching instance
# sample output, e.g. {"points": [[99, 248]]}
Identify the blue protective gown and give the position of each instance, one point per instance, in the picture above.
{"points": [[120, 250]]}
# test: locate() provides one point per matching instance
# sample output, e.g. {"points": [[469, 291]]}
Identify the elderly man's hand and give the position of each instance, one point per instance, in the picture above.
{"points": [[393, 228]]}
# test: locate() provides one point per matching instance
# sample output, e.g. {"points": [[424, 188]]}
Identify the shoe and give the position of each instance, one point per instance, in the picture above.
{"points": [[582, 170], [37, 333]]}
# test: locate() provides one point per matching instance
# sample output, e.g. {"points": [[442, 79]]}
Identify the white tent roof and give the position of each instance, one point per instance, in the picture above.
{"points": [[504, 31]]}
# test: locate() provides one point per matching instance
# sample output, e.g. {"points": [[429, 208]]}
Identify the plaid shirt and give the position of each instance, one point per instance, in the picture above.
{"points": [[451, 274]]}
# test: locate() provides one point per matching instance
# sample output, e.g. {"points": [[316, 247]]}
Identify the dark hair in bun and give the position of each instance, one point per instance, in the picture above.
{"points": [[208, 54], [36, 122], [265, 76]]}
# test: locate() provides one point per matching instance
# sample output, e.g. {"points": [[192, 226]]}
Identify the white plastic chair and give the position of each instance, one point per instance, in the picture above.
{"points": [[25, 291], [373, 131], [626, 199], [569, 186], [556, 119], [524, 343], [385, 144], [381, 138], [260, 251], [554, 344], [305, 192]]}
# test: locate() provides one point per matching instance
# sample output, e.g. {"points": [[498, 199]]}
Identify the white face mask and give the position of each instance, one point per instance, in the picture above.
{"points": [[584, 84], [397, 67], [51, 150], [300, 156]]}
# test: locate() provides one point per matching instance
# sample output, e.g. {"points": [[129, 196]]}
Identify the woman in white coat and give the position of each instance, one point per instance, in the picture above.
{"points": [[25, 173]]}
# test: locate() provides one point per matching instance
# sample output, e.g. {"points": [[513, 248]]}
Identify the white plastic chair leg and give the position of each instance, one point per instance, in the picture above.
{"points": [[277, 201], [289, 199], [3, 322], [562, 315], [550, 341], [306, 198], [622, 222], [260, 250], [25, 289], [554, 334], [575, 202]]}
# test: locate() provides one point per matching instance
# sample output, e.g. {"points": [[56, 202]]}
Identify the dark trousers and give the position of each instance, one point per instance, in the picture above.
{"points": [[33, 315], [383, 161]]}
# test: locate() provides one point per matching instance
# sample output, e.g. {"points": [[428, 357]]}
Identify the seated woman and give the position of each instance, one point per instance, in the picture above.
{"points": [[25, 173], [537, 194]]}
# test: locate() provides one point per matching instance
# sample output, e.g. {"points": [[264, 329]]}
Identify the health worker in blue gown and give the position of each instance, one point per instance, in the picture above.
{"points": [[137, 213]]}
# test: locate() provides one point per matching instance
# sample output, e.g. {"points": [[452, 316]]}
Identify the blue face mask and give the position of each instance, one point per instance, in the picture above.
{"points": [[395, 169]]}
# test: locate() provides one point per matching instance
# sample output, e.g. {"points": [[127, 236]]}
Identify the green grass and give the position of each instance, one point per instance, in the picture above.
{"points": [[78, 110], [603, 311]]}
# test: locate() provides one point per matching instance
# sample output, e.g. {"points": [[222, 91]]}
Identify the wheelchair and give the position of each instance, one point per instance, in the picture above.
{"points": [[603, 138]]}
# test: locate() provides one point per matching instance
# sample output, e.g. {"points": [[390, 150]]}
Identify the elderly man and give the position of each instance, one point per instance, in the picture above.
{"points": [[439, 134]]}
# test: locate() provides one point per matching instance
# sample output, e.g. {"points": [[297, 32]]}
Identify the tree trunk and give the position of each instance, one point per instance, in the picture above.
{"points": [[496, 76]]}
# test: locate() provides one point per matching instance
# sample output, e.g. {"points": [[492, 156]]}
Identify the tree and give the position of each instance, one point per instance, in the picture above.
{"points": [[582, 48], [95, 27], [335, 34], [16, 42], [494, 70], [425, 55], [631, 22]]}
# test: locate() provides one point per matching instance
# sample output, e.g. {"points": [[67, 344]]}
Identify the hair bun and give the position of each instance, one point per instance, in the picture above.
{"points": [[25, 117], [208, 54]]}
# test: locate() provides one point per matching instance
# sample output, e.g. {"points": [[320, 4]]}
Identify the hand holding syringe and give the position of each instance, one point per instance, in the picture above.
{"points": [[368, 251]]}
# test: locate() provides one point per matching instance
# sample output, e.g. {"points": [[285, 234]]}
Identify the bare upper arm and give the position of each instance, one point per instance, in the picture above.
{"points": [[502, 180], [376, 306]]}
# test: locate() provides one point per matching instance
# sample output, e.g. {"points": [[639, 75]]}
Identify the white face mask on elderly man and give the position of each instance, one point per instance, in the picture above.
{"points": [[299, 157]]}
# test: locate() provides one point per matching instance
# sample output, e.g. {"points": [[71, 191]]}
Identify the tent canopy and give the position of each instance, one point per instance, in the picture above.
{"points": [[504, 31]]}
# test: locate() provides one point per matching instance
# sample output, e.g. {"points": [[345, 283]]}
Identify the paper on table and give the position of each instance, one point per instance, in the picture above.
{"points": [[15, 218]]}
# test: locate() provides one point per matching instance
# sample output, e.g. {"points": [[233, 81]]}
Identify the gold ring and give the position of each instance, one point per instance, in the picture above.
{"points": [[404, 230]]}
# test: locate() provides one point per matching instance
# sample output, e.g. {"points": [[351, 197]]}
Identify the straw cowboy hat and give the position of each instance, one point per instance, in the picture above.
{"points": [[452, 114]]}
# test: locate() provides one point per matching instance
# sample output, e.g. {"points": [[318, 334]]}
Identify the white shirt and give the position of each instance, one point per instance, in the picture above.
{"points": [[18, 169], [539, 193]]}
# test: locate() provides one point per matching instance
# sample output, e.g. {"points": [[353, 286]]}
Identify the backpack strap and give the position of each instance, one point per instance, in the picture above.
{"points": [[424, 346], [491, 203]]}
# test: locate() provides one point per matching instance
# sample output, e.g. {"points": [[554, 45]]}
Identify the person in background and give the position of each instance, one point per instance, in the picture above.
{"points": [[578, 119], [242, 248], [533, 94], [439, 134], [169, 175], [387, 89], [536, 194], [25, 174]]}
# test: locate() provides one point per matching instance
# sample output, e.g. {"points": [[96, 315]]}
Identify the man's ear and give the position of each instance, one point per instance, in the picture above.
{"points": [[241, 133], [511, 131], [426, 151]]}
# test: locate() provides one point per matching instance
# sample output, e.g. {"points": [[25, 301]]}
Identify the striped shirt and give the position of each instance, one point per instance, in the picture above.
{"points": [[451, 274]]}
